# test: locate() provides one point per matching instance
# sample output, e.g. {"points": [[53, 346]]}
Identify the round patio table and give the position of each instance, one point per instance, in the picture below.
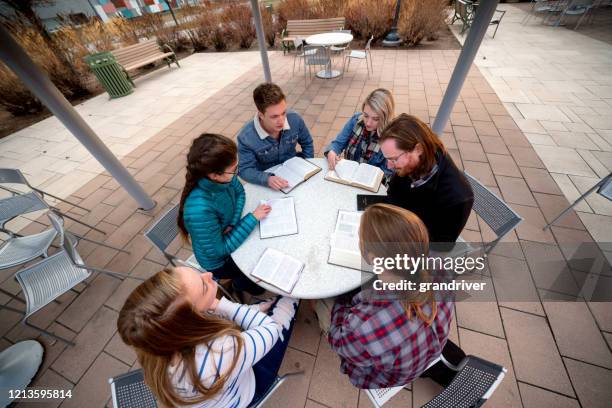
{"points": [[327, 40], [317, 202]]}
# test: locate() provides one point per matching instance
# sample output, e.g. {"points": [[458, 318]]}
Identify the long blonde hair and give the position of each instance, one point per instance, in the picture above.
{"points": [[160, 324], [381, 102], [387, 230]]}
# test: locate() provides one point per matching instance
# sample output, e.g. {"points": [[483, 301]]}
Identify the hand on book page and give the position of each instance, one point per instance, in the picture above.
{"points": [[281, 220]]}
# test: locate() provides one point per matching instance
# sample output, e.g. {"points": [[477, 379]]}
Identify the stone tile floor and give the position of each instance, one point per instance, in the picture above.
{"points": [[54, 160], [557, 354], [556, 83]]}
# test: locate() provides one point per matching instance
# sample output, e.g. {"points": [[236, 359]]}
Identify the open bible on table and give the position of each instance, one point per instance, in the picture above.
{"points": [[281, 220], [344, 243], [278, 269], [295, 170], [355, 174]]}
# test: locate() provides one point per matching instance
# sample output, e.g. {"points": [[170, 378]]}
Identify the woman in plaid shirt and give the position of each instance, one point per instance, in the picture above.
{"points": [[384, 338]]}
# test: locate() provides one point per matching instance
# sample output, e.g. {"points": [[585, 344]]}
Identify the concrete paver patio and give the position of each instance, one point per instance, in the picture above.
{"points": [[557, 353], [556, 84]]}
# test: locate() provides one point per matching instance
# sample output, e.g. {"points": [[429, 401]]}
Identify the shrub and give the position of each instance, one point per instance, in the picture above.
{"points": [[295, 10], [421, 19], [369, 17], [14, 96], [239, 21], [271, 27]]}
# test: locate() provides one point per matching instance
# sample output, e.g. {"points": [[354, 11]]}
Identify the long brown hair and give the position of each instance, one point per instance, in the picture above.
{"points": [[160, 323], [408, 131], [387, 230], [209, 153]]}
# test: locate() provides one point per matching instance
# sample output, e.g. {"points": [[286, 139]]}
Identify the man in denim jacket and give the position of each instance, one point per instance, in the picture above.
{"points": [[271, 138]]}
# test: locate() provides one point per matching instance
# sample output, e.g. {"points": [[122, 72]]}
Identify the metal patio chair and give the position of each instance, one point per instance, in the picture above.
{"points": [[15, 176], [130, 391], [300, 53], [493, 211], [473, 385], [340, 49], [582, 8], [366, 54], [603, 187], [45, 281], [165, 230], [315, 55]]}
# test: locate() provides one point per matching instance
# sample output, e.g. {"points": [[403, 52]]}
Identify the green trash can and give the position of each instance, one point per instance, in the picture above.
{"points": [[110, 74]]}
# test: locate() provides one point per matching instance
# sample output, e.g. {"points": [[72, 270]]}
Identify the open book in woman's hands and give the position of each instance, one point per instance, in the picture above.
{"points": [[278, 269]]}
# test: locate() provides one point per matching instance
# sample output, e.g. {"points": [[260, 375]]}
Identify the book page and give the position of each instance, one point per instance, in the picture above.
{"points": [[367, 175], [278, 269], [348, 223], [292, 177], [301, 167], [346, 169], [281, 220]]}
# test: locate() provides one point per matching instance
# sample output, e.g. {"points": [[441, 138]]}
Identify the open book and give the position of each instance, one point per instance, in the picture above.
{"points": [[278, 269], [355, 174], [295, 170], [344, 242], [281, 220]]}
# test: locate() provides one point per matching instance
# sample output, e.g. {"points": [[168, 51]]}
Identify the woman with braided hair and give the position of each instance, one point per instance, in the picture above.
{"points": [[210, 210]]}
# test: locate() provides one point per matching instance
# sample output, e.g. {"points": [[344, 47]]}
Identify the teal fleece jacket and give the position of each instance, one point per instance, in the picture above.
{"points": [[209, 209]]}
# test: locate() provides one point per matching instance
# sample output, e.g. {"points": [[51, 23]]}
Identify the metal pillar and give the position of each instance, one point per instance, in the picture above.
{"points": [[41, 86], [261, 40], [478, 29]]}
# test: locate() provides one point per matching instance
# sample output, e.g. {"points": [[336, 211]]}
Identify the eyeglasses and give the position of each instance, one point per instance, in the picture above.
{"points": [[233, 173], [395, 159]]}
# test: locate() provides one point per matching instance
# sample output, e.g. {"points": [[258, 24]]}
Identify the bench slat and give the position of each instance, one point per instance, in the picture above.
{"points": [[304, 28], [142, 63], [139, 55]]}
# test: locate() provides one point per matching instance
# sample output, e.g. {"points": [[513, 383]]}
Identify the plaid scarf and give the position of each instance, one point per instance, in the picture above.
{"points": [[362, 144]]}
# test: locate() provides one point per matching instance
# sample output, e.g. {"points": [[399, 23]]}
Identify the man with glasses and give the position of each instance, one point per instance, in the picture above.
{"points": [[426, 181]]}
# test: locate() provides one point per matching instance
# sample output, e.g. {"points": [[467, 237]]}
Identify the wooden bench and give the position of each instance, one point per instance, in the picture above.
{"points": [[304, 28], [144, 53]]}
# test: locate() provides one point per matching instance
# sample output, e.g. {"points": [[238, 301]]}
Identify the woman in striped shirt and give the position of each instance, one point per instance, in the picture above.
{"points": [[199, 351]]}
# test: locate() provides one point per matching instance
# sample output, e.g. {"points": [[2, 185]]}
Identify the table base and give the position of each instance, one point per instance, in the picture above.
{"points": [[325, 74]]}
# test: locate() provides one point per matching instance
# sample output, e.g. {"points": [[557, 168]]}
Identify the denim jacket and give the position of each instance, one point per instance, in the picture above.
{"points": [[341, 142], [257, 154]]}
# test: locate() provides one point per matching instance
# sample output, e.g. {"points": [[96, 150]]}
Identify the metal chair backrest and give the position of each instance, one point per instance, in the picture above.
{"points": [[130, 391], [11, 207], [606, 187], [18, 250], [164, 230], [369, 43], [12, 176], [493, 210], [319, 57], [472, 386]]}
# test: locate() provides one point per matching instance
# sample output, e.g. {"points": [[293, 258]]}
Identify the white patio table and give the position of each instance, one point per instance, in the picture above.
{"points": [[327, 40], [317, 202]]}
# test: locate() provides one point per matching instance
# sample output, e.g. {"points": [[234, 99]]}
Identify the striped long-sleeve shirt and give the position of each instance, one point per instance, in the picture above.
{"points": [[209, 209], [260, 334]]}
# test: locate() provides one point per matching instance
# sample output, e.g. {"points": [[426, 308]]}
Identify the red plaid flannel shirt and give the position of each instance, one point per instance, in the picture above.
{"points": [[379, 346]]}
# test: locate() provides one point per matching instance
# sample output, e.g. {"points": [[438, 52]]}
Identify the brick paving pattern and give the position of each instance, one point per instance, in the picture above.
{"points": [[557, 354]]}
